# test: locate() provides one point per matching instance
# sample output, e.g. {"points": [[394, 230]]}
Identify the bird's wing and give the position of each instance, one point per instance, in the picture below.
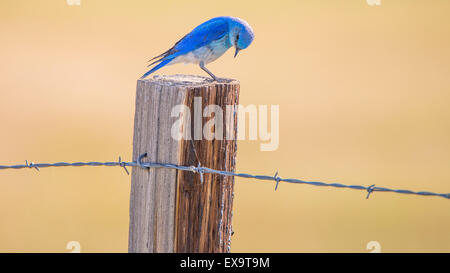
{"points": [[202, 35]]}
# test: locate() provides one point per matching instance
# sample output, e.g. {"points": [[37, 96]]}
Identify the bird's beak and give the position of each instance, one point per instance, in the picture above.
{"points": [[237, 51]]}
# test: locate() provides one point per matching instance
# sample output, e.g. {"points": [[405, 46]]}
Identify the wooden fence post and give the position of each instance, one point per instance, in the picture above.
{"points": [[172, 210]]}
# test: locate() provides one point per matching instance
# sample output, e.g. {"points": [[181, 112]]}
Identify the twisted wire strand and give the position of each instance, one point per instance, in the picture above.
{"points": [[202, 170]]}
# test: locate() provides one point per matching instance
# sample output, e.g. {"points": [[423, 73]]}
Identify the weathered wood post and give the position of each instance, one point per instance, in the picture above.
{"points": [[171, 210]]}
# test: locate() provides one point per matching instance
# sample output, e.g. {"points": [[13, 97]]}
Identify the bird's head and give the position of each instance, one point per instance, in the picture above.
{"points": [[241, 35]]}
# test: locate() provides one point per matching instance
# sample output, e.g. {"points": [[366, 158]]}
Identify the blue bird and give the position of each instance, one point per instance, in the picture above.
{"points": [[206, 43]]}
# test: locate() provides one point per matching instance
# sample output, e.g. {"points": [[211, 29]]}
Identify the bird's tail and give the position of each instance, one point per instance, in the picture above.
{"points": [[161, 64]]}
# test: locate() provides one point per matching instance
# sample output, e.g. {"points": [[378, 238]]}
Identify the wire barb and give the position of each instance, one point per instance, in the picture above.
{"points": [[199, 169], [200, 172], [31, 165], [123, 165], [278, 179], [370, 189]]}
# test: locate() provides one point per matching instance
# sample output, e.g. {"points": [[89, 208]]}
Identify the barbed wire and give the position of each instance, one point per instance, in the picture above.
{"points": [[202, 170]]}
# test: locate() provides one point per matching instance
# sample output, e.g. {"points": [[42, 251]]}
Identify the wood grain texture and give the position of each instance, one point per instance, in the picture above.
{"points": [[170, 210]]}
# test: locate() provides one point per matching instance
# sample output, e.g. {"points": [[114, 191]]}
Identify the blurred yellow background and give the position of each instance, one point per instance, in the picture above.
{"points": [[363, 91]]}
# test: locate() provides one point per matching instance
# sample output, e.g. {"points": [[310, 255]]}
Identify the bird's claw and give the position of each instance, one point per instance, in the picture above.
{"points": [[220, 80]]}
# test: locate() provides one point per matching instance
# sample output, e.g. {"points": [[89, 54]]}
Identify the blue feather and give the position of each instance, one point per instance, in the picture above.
{"points": [[163, 63], [202, 35]]}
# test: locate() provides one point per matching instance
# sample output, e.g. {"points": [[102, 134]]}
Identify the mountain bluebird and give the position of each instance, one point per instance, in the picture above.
{"points": [[206, 43]]}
